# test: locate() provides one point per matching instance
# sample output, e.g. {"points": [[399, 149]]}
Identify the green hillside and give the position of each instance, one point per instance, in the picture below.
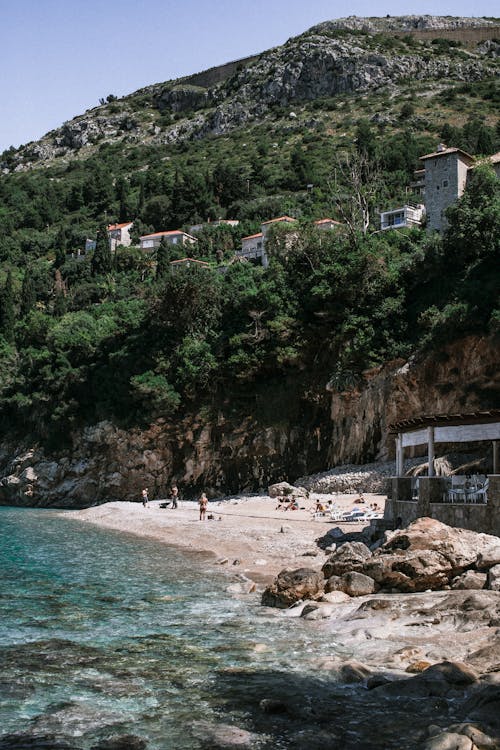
{"points": [[126, 338]]}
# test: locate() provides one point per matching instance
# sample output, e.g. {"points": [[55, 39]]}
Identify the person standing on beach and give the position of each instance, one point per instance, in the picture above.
{"points": [[145, 497], [174, 493], [203, 502]]}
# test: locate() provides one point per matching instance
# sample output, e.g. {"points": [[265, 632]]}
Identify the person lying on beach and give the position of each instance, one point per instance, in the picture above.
{"points": [[281, 500], [292, 505]]}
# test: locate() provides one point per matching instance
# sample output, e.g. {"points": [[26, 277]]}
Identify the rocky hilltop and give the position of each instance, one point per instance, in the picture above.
{"points": [[351, 55]]}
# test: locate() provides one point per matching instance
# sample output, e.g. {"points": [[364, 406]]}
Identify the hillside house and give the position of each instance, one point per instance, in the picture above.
{"points": [[266, 225], [195, 228], [444, 182], [327, 224], [119, 234], [175, 237], [253, 247], [405, 216]]}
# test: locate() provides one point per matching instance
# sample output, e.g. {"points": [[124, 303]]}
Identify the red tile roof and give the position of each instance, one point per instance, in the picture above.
{"points": [[327, 221], [252, 236], [447, 151], [119, 226], [280, 218]]}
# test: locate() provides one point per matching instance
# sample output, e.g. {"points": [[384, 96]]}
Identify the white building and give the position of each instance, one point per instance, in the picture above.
{"points": [[327, 224], [253, 247], [175, 237], [119, 234], [404, 216]]}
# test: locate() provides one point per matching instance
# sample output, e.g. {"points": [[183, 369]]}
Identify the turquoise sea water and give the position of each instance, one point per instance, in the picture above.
{"points": [[107, 635]]}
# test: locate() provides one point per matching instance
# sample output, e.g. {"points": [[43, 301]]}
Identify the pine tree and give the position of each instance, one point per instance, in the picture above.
{"points": [[7, 315], [162, 259], [61, 247], [102, 261], [28, 294]]}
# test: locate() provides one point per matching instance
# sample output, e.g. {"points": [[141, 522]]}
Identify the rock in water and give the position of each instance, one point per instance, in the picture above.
{"points": [[291, 586]]}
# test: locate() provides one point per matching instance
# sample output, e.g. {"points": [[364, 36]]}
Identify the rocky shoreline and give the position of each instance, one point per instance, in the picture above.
{"points": [[419, 608]]}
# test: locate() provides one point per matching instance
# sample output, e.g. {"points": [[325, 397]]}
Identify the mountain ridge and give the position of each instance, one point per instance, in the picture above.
{"points": [[343, 56]]}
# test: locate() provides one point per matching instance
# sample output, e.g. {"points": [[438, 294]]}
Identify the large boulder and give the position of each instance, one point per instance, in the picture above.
{"points": [[291, 586], [283, 489], [494, 578], [429, 554], [350, 556]]}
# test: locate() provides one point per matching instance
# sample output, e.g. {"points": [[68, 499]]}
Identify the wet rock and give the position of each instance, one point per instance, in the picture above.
{"points": [[481, 740], [223, 736], [456, 673], [353, 671], [244, 587], [335, 597], [318, 611], [436, 681], [122, 742], [273, 706], [417, 667], [350, 556], [449, 741], [484, 706], [291, 586], [471, 579], [34, 742]]}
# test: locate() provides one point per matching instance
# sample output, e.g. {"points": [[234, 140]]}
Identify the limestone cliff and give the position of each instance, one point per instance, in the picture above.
{"points": [[104, 462], [463, 376]]}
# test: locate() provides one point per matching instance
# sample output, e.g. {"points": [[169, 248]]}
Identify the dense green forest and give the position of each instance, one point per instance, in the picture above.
{"points": [[125, 337]]}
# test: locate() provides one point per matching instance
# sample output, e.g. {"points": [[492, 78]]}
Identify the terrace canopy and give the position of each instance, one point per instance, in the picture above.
{"points": [[446, 428]]}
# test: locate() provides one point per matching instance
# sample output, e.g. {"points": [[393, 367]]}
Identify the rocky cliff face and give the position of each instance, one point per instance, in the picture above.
{"points": [[336, 57], [462, 377], [104, 462]]}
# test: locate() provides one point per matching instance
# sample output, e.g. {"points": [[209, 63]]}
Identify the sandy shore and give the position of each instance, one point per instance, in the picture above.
{"points": [[246, 529]]}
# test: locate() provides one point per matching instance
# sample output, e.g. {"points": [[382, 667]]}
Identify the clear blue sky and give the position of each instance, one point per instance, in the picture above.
{"points": [[58, 57]]}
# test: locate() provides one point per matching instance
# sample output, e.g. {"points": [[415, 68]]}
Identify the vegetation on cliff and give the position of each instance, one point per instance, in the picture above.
{"points": [[126, 337]]}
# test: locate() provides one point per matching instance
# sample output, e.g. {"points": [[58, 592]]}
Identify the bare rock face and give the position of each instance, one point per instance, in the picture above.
{"points": [[494, 578], [291, 586]]}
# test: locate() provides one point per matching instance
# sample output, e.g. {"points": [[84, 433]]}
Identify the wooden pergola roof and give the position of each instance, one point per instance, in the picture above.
{"points": [[441, 420]]}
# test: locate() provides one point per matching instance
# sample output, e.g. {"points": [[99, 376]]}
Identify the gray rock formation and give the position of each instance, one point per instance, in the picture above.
{"points": [[292, 586]]}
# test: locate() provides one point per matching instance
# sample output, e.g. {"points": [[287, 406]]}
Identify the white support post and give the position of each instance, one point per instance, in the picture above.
{"points": [[399, 456], [430, 451]]}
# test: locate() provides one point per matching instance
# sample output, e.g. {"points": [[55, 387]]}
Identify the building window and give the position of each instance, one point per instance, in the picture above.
{"points": [[445, 183]]}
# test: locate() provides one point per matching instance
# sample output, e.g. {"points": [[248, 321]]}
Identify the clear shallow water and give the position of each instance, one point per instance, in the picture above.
{"points": [[103, 634]]}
